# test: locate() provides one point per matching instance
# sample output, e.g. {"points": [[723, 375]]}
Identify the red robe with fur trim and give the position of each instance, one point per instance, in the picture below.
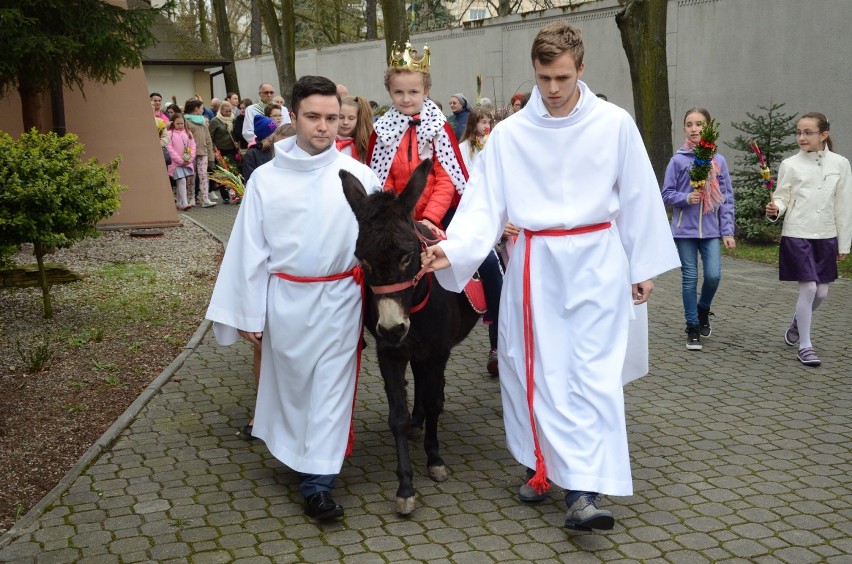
{"points": [[440, 194]]}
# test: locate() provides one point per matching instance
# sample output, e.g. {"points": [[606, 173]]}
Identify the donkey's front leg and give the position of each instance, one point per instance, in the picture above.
{"points": [[393, 374], [430, 375]]}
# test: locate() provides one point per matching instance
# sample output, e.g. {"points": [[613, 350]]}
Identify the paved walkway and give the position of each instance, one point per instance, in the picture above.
{"points": [[739, 453]]}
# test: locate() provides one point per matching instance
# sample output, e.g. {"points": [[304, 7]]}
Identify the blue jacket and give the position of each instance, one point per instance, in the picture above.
{"points": [[687, 219], [459, 121]]}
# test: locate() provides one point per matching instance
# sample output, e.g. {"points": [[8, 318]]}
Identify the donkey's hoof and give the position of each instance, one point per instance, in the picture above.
{"points": [[405, 505], [414, 433], [438, 473]]}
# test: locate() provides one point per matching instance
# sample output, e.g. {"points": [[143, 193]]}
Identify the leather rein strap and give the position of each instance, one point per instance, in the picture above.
{"points": [[406, 284]]}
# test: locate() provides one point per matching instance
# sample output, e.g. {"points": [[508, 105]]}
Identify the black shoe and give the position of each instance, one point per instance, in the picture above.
{"points": [[491, 365], [693, 338], [704, 321], [322, 507], [245, 433]]}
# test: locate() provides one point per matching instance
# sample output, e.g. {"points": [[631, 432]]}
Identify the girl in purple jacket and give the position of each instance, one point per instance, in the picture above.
{"points": [[697, 227]]}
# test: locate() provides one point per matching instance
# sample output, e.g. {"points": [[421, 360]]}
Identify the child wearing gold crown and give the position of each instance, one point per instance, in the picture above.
{"points": [[412, 130], [415, 129]]}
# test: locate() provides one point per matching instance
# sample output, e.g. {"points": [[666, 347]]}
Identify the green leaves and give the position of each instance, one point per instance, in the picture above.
{"points": [[81, 39], [50, 196]]}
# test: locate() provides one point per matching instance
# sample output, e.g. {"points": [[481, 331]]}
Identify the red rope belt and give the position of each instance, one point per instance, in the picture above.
{"points": [[539, 481], [358, 274]]}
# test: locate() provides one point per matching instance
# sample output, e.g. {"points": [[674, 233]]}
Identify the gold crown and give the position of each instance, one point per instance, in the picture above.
{"points": [[408, 58]]}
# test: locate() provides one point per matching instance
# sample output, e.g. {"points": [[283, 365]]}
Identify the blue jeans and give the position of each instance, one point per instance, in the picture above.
{"points": [[711, 259], [313, 483], [492, 285]]}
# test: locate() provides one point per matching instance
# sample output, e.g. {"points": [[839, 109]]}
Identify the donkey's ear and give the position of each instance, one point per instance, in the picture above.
{"points": [[353, 190], [416, 184]]}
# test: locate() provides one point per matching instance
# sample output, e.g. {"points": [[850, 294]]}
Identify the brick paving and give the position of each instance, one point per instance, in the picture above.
{"points": [[739, 454]]}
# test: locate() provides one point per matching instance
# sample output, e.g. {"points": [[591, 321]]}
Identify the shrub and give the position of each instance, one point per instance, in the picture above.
{"points": [[772, 130], [50, 197]]}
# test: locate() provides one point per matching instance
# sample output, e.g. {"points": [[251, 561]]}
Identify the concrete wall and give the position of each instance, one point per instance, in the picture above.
{"points": [[180, 81], [726, 55]]}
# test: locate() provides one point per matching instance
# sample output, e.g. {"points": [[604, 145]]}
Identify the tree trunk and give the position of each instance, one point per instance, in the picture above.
{"points": [[396, 30], [223, 30], [642, 24], [256, 46], [370, 17], [282, 38], [57, 103], [203, 33], [40, 251], [31, 104]]}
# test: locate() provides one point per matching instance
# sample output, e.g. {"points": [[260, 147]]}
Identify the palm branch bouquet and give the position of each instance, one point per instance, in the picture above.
{"points": [[228, 175], [705, 150]]}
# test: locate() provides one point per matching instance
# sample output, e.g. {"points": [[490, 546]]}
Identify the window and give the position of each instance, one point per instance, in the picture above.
{"points": [[477, 13]]}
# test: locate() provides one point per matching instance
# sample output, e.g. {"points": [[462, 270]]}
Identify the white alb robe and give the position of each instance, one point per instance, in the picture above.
{"points": [[295, 219], [560, 173]]}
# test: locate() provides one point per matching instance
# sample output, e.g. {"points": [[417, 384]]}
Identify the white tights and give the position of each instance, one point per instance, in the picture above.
{"points": [[180, 188], [811, 295]]}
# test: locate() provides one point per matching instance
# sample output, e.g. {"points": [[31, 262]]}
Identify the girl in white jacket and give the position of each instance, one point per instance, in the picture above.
{"points": [[815, 191]]}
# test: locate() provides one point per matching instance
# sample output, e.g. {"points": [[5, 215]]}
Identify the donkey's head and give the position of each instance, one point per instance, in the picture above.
{"points": [[388, 247]]}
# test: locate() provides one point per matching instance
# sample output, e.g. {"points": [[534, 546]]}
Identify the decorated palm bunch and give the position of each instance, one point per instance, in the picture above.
{"points": [[161, 126], [228, 175], [704, 170], [479, 142], [762, 165]]}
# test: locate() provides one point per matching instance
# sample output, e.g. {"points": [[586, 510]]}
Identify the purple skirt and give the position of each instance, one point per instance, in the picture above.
{"points": [[807, 260]]}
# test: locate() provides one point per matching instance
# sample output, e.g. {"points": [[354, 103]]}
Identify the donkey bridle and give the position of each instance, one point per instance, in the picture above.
{"points": [[406, 284]]}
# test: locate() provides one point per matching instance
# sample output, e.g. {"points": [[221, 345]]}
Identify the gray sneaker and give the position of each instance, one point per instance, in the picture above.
{"points": [[584, 514], [791, 336], [527, 493]]}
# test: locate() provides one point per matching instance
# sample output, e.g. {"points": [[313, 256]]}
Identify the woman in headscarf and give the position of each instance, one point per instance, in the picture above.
{"points": [[461, 111]]}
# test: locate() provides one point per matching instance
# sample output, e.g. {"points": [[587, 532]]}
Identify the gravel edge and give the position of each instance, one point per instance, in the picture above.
{"points": [[26, 523]]}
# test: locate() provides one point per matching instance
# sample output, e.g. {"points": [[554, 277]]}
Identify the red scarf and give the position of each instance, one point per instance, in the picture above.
{"points": [[342, 143]]}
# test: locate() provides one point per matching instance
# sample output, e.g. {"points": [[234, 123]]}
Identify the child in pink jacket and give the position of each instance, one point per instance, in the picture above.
{"points": [[181, 147]]}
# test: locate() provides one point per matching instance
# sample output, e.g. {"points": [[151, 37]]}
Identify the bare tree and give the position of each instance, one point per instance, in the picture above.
{"points": [[203, 32], [256, 30], [281, 30], [396, 30], [328, 22], [642, 24], [223, 31], [370, 16]]}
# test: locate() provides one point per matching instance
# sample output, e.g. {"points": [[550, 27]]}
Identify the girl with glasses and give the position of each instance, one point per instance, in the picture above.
{"points": [[814, 193]]}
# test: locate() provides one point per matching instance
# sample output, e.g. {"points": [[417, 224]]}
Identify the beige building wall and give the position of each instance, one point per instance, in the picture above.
{"points": [[173, 80], [115, 120]]}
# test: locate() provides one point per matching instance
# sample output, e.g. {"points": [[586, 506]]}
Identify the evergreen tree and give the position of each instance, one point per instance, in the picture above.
{"points": [[48, 43], [772, 130]]}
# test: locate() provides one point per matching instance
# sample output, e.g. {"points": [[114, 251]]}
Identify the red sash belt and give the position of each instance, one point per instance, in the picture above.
{"points": [[358, 274], [539, 481]]}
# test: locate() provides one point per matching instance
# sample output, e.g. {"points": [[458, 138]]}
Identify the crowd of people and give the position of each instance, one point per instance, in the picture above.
{"points": [[566, 297]]}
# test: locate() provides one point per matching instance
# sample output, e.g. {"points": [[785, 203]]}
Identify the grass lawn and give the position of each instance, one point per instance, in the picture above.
{"points": [[768, 254]]}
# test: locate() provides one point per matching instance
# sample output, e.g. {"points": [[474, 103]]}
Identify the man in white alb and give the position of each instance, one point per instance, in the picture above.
{"points": [[288, 282], [571, 172]]}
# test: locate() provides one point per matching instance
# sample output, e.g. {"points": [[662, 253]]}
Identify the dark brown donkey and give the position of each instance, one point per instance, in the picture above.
{"points": [[411, 316]]}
